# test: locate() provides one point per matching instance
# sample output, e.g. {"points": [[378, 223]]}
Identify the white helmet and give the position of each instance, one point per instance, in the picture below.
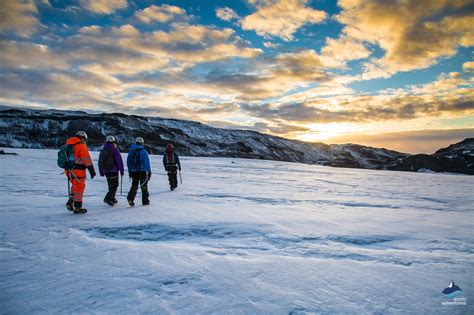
{"points": [[139, 140], [81, 134], [110, 139]]}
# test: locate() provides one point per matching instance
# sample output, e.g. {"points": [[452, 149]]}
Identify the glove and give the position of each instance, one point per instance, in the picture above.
{"points": [[91, 171], [149, 176], [121, 173], [179, 168]]}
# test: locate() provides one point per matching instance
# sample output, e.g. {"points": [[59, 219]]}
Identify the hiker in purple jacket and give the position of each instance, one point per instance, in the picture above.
{"points": [[110, 164]]}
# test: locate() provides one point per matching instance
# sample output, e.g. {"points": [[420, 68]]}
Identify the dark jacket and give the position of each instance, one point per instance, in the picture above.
{"points": [[143, 162], [118, 162], [167, 163]]}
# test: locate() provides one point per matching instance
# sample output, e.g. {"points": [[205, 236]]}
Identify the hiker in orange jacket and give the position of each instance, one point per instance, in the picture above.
{"points": [[77, 176]]}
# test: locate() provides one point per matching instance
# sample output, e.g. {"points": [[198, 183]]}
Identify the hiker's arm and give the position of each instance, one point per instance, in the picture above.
{"points": [[177, 161], [147, 162], [83, 155], [91, 171], [118, 161]]}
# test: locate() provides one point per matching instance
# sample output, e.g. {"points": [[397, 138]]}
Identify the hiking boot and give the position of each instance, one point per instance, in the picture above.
{"points": [[130, 202], [109, 202], [79, 211], [69, 205], [115, 201], [146, 203]]}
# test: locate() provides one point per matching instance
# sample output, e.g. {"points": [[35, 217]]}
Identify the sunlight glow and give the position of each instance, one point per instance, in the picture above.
{"points": [[320, 132]]}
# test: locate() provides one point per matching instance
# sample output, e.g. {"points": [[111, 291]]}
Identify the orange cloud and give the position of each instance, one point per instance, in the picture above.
{"points": [[103, 6], [19, 17], [162, 14], [281, 18], [413, 33]]}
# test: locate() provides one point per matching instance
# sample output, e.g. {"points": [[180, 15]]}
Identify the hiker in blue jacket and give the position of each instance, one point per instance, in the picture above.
{"points": [[139, 170]]}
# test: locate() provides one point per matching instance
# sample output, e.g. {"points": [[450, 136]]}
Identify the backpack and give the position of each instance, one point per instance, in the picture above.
{"points": [[66, 158], [106, 159], [135, 158], [170, 159]]}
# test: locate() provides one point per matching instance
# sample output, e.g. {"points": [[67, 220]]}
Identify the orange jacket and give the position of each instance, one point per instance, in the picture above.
{"points": [[81, 153]]}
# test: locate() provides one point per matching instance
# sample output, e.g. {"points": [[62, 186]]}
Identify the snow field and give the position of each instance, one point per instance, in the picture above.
{"points": [[239, 236]]}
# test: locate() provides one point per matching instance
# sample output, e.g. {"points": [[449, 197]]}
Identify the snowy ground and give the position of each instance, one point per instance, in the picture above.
{"points": [[244, 237]]}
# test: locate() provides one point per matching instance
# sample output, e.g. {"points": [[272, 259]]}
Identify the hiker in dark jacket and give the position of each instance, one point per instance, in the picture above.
{"points": [[110, 164], [139, 170], [172, 165]]}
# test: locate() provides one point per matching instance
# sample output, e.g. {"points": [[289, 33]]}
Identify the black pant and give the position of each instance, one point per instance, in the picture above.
{"points": [[139, 178], [113, 182], [173, 176]]}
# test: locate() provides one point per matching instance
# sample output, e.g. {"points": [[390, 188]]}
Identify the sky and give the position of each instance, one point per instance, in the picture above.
{"points": [[386, 73]]}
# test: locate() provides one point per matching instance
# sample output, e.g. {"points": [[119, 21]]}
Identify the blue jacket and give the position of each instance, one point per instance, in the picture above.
{"points": [[176, 161], [144, 160]]}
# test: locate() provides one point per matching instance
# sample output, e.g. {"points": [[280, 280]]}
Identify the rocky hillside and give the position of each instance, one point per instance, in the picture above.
{"points": [[457, 158], [24, 128]]}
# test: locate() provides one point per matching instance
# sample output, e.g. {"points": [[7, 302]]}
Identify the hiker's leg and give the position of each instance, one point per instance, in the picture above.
{"points": [[170, 179], [78, 187], [133, 190], [144, 187], [112, 182], [175, 179]]}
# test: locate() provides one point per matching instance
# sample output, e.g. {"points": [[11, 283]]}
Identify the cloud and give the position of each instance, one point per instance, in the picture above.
{"points": [[448, 96], [19, 17], [263, 78], [270, 45], [281, 18], [287, 130], [445, 85], [113, 49], [337, 51], [226, 14], [414, 34], [162, 14], [106, 65], [412, 141], [26, 55], [197, 43], [468, 66], [324, 90], [103, 6], [305, 65], [59, 88]]}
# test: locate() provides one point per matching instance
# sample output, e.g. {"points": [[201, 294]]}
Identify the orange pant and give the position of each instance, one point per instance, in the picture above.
{"points": [[78, 184]]}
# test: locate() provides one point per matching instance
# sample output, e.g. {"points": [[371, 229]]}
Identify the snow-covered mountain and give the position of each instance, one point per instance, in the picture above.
{"points": [[456, 158], [25, 128]]}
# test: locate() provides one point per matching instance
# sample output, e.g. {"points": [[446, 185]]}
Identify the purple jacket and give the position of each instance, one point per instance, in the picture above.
{"points": [[118, 163]]}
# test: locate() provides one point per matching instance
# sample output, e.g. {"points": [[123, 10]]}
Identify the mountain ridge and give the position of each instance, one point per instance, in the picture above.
{"points": [[31, 128]]}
